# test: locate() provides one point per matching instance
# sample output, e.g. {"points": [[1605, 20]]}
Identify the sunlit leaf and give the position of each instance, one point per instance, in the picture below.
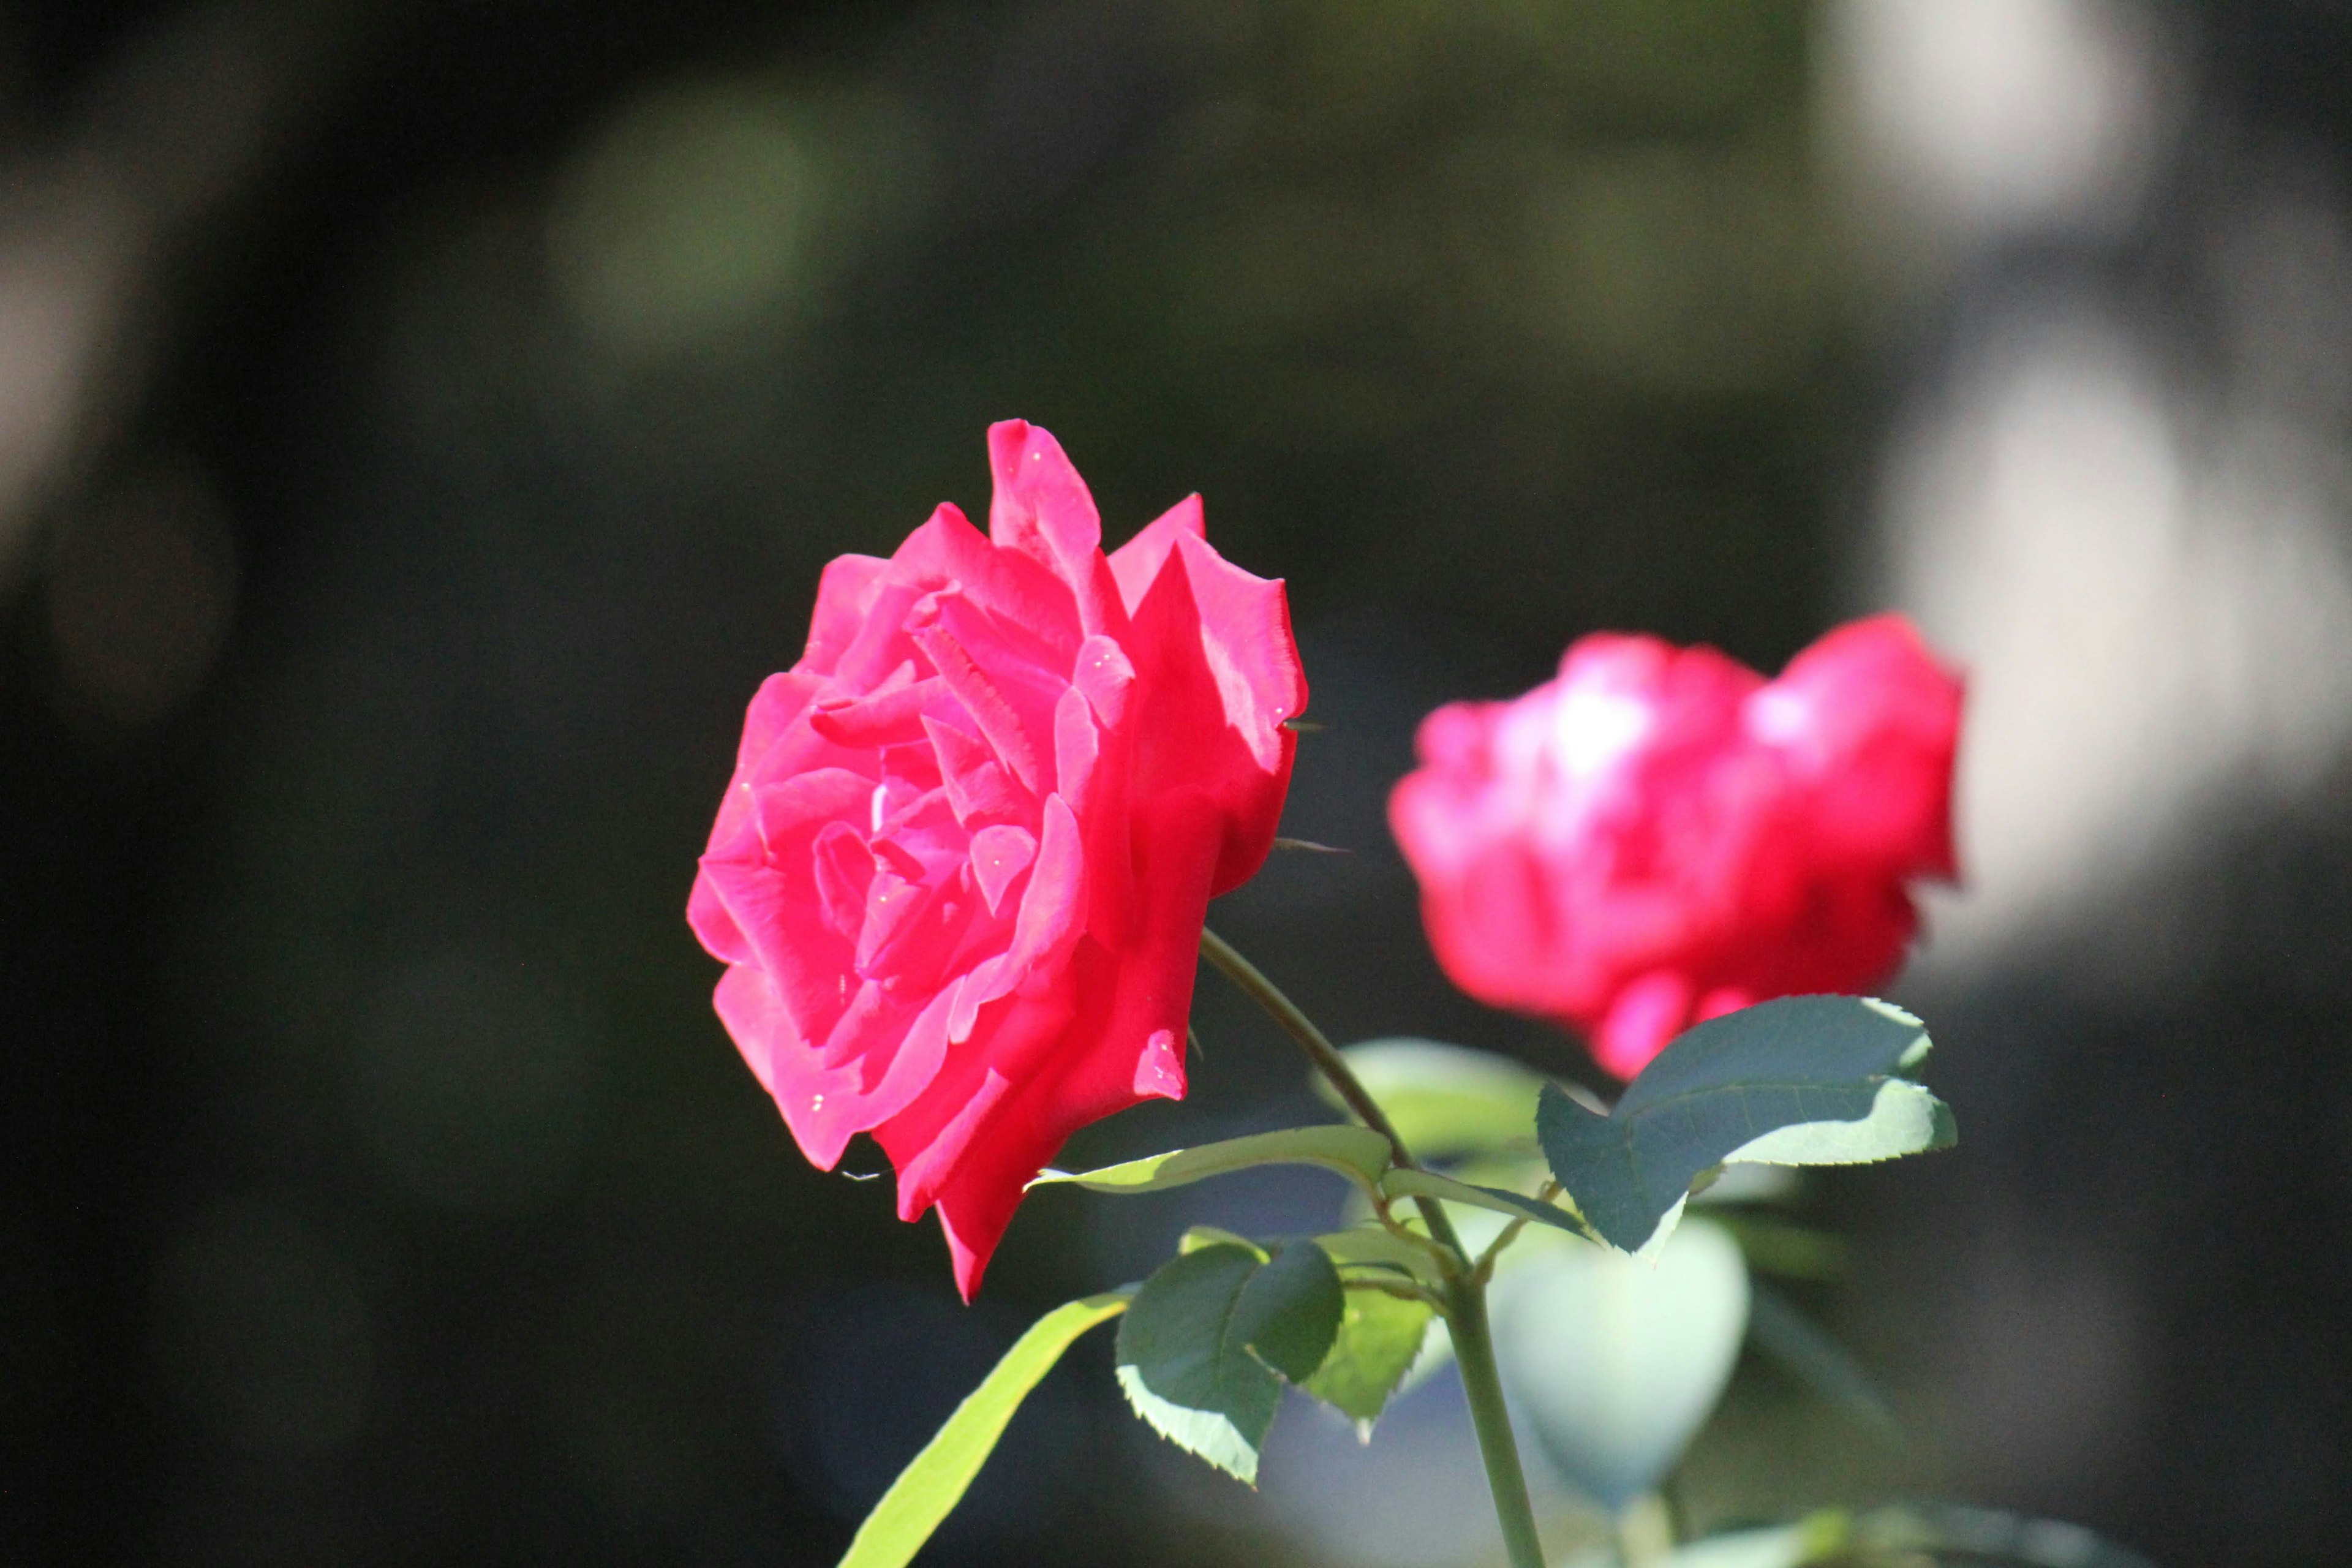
{"points": [[1379, 1339], [1805, 1081], [1371, 1244], [1616, 1361], [934, 1481], [1201, 1347], [1356, 1152], [1201, 1236]]}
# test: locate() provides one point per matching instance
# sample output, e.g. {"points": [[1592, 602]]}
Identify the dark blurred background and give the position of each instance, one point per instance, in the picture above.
{"points": [[421, 428]]}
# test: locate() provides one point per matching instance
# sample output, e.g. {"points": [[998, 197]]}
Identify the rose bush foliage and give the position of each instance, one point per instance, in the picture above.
{"points": [[1660, 836], [958, 875]]}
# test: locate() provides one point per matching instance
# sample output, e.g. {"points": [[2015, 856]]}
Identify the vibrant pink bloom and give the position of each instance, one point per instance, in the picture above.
{"points": [[959, 877], [1660, 836]]}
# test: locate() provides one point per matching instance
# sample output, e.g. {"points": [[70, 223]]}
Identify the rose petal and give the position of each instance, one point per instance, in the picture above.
{"points": [[894, 1079], [766, 882], [1103, 672], [820, 1106], [1000, 725], [844, 868], [1000, 854], [978, 789], [873, 1022], [1245, 635], [845, 596], [1124, 1045], [1872, 720], [780, 700], [1048, 922], [1646, 1014], [1137, 563], [705, 914], [1042, 510], [892, 716], [1078, 746], [1212, 646]]}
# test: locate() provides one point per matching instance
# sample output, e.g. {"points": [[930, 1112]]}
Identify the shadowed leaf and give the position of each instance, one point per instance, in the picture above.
{"points": [[1805, 1081], [1200, 1349]]}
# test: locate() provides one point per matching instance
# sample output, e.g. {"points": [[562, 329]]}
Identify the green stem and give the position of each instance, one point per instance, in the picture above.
{"points": [[1466, 1308], [1253, 983], [1484, 1269], [1474, 1348]]}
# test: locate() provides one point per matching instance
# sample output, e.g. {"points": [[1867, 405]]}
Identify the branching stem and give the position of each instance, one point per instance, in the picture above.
{"points": [[1484, 1269], [1252, 983], [1465, 1290]]}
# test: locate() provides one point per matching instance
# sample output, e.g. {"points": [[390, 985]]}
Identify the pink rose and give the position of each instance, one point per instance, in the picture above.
{"points": [[959, 877], [1660, 836]]}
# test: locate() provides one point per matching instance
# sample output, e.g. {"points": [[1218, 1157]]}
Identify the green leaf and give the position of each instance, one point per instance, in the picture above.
{"points": [[1289, 1312], [1356, 1152], [1403, 1183], [1371, 1245], [1199, 1348], [1805, 1081], [1446, 1100], [1201, 1236], [1380, 1338], [933, 1483], [1615, 1361]]}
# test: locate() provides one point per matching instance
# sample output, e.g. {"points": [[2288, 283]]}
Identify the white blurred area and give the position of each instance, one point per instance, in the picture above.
{"points": [[2152, 599], [1968, 121], [2138, 546]]}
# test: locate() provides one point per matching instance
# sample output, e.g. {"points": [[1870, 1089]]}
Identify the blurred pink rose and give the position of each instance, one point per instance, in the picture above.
{"points": [[959, 877], [1659, 835]]}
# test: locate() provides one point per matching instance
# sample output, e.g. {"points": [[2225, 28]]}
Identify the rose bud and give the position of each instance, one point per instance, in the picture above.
{"points": [[1659, 835], [959, 877]]}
